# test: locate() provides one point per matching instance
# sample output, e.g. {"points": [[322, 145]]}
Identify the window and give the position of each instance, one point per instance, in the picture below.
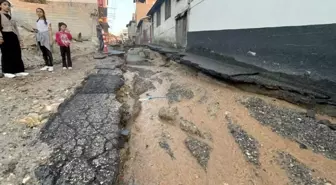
{"points": [[168, 9], [158, 18]]}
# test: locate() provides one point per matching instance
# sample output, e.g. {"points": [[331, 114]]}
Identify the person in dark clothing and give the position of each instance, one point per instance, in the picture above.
{"points": [[10, 43], [63, 39], [99, 29]]}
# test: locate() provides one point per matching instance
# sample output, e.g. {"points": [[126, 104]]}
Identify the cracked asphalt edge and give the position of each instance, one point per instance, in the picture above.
{"points": [[84, 134]]}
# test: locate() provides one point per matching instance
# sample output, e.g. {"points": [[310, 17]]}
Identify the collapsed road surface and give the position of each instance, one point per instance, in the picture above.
{"points": [[186, 128], [84, 134], [182, 127]]}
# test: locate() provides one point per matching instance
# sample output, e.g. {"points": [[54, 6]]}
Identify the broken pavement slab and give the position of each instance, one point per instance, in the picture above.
{"points": [[297, 89], [84, 136]]}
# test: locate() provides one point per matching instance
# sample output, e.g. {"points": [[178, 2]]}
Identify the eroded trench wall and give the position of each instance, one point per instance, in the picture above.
{"points": [[294, 37]]}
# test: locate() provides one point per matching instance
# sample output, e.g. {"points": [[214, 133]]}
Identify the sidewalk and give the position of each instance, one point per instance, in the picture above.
{"points": [[84, 134], [293, 88]]}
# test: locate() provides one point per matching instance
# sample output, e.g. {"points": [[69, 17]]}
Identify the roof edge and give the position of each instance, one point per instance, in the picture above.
{"points": [[155, 7]]}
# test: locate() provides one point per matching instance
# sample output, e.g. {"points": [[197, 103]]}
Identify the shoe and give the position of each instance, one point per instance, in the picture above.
{"points": [[9, 75], [44, 68], [64, 68], [70, 68], [50, 69], [22, 74]]}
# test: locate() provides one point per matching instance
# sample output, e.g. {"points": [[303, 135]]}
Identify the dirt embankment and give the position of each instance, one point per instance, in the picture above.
{"points": [[186, 128]]}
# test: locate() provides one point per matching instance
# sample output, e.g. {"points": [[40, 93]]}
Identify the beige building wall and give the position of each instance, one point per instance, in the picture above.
{"points": [[76, 14]]}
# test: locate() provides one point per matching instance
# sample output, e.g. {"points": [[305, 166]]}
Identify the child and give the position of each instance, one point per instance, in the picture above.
{"points": [[63, 38], [43, 36]]}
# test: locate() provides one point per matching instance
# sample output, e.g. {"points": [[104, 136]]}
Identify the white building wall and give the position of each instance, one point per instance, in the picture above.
{"points": [[240, 14], [165, 33]]}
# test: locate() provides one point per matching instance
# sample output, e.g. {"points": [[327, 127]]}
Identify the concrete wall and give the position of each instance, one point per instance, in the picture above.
{"points": [[131, 30], [144, 33], [75, 14], [290, 36], [238, 14], [166, 33]]}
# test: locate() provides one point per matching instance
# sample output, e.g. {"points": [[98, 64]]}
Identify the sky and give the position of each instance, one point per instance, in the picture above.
{"points": [[123, 14]]}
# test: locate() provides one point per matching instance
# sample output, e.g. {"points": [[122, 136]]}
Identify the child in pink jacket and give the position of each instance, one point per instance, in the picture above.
{"points": [[63, 39]]}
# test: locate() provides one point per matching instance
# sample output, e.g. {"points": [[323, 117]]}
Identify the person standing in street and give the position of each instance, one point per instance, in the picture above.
{"points": [[44, 39], [10, 43], [99, 29], [63, 39]]}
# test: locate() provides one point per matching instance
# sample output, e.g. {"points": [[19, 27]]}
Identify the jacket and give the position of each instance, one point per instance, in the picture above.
{"points": [[63, 38]]}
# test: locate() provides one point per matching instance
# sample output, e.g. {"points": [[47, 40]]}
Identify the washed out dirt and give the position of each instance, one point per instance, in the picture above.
{"points": [[182, 135], [26, 105]]}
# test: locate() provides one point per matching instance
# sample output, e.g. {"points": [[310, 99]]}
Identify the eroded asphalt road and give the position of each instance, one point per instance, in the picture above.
{"points": [[84, 134]]}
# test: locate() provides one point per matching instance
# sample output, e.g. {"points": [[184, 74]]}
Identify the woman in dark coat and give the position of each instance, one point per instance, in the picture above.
{"points": [[11, 59]]}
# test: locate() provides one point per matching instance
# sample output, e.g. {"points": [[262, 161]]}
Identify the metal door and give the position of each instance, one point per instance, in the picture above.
{"points": [[181, 30]]}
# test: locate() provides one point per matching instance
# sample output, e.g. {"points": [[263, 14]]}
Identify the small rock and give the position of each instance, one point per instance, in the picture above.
{"points": [[328, 124], [142, 54], [168, 114], [190, 128], [125, 133], [302, 146], [311, 113], [99, 56], [26, 179], [252, 53]]}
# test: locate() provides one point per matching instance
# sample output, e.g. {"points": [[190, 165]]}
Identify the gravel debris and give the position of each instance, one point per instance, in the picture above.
{"points": [[248, 145], [144, 73], [177, 92], [164, 145], [298, 173], [295, 126], [168, 113], [200, 150], [141, 85], [190, 127]]}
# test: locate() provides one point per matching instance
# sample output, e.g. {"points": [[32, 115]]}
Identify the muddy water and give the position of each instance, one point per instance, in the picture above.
{"points": [[150, 164]]}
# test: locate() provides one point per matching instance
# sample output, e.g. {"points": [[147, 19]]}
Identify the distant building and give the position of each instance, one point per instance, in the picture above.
{"points": [[169, 22], [144, 28], [132, 28], [141, 8]]}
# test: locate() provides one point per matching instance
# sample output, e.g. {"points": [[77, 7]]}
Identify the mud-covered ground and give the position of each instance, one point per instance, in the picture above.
{"points": [[187, 128], [26, 103]]}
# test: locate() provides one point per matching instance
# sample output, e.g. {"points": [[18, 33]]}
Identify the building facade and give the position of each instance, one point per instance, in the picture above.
{"points": [[132, 31], [169, 22], [142, 7], [293, 37], [79, 15], [144, 31]]}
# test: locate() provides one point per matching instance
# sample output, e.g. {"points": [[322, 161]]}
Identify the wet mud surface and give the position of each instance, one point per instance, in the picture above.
{"points": [[182, 135]]}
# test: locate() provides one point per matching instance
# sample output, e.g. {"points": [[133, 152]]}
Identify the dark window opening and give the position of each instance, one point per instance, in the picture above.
{"points": [[168, 9], [158, 18]]}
